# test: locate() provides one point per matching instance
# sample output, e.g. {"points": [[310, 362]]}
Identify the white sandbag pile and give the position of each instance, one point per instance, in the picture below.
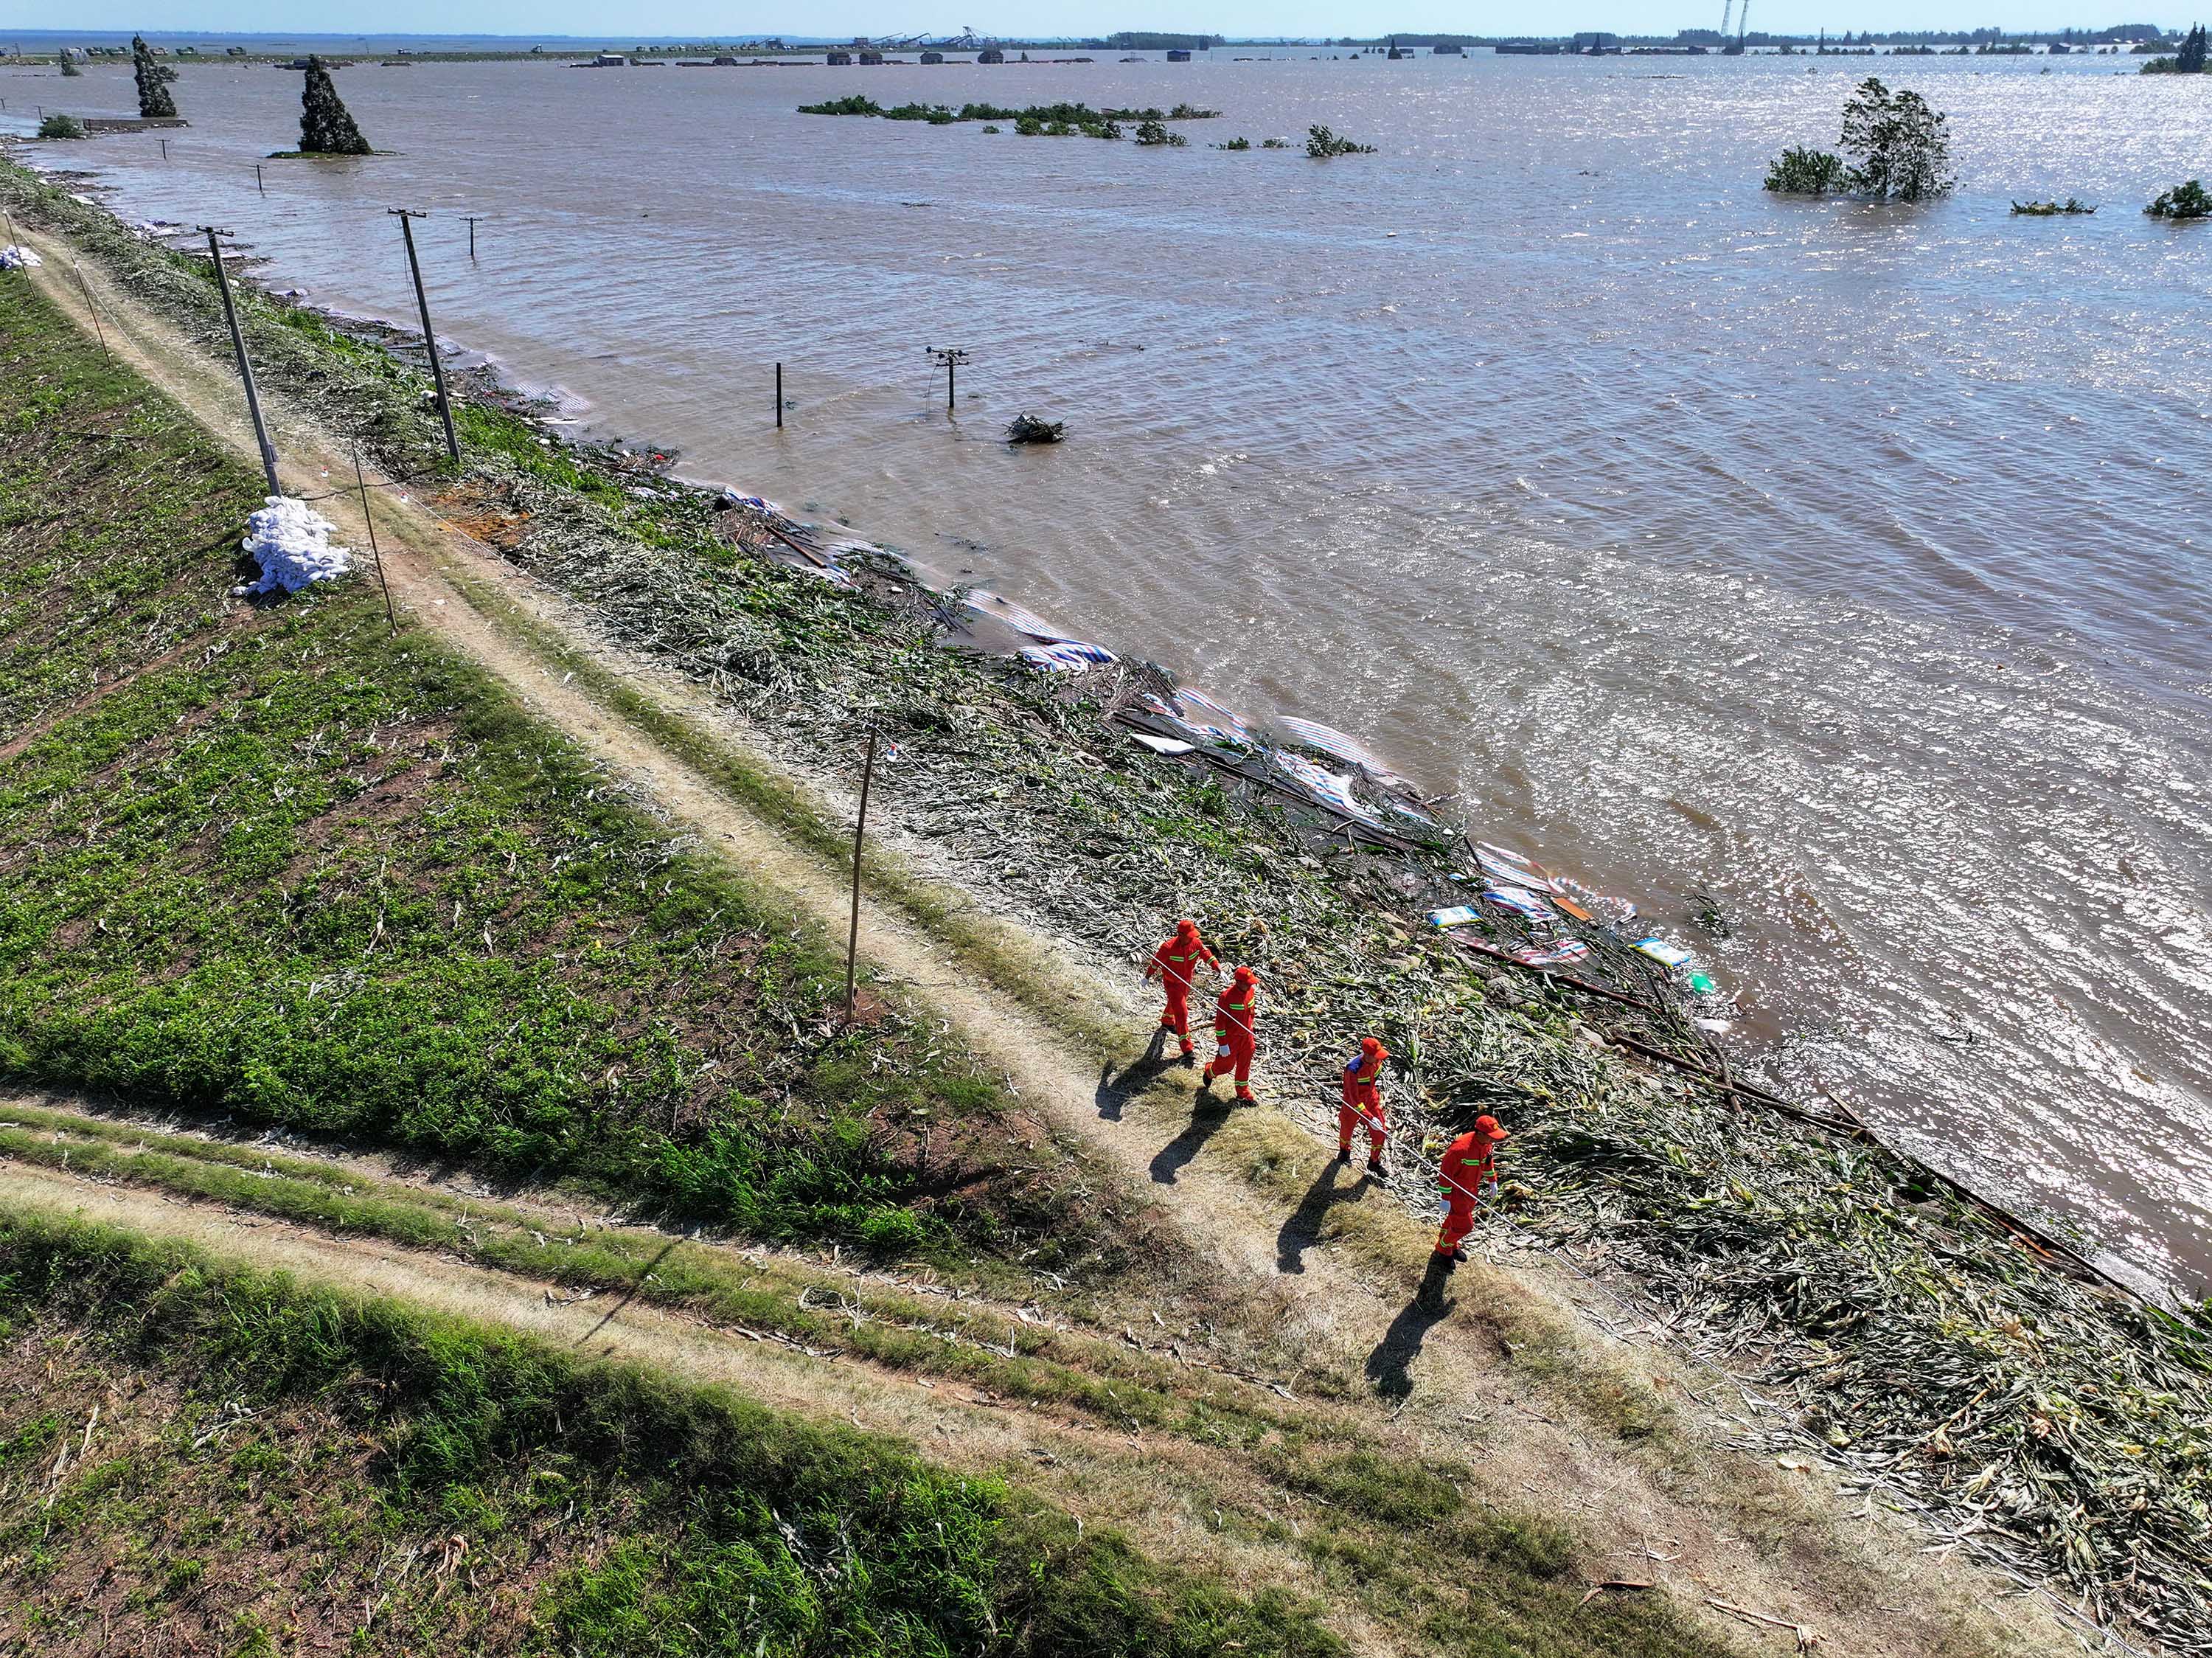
{"points": [[13, 258], [291, 542]]}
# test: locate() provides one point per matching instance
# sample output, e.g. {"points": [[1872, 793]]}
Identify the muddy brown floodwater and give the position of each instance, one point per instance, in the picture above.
{"points": [[1839, 567]]}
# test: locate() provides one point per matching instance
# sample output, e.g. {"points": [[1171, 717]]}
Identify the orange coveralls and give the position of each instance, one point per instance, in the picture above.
{"points": [[1363, 1100], [1175, 964], [1469, 1164], [1237, 1031]]}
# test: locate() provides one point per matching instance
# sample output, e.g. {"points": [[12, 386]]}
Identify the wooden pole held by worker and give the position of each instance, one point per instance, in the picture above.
{"points": [[245, 364], [859, 829]]}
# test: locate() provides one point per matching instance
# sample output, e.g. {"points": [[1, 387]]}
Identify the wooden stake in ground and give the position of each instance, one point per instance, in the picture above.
{"points": [[360, 483], [245, 365], [406, 216], [859, 829]]}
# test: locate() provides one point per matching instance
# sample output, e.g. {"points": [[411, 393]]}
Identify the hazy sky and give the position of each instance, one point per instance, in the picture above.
{"points": [[715, 19]]}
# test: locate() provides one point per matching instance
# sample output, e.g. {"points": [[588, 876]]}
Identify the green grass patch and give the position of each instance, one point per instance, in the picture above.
{"points": [[741, 1530], [274, 864]]}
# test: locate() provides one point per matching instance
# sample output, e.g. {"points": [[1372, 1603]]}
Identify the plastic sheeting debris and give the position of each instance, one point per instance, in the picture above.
{"points": [[1521, 901], [15, 258], [1331, 789], [291, 542], [1659, 950], [1459, 915], [994, 609], [1066, 656], [1313, 734], [1164, 745], [1552, 955]]}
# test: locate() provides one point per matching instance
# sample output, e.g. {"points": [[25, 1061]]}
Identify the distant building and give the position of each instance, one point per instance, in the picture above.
{"points": [[610, 60], [871, 58], [1178, 55], [990, 55], [1525, 49], [1450, 49], [838, 59], [1597, 43], [933, 57], [725, 61]]}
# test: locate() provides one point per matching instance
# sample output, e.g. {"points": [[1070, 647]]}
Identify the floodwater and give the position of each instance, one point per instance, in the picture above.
{"points": [[1846, 565]]}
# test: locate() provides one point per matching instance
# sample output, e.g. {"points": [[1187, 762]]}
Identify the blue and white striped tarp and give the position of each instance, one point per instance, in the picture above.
{"points": [[1521, 901], [1065, 655], [1201, 713], [1332, 790], [1013, 616]]}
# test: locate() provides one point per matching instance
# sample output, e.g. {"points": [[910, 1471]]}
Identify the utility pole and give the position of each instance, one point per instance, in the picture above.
{"points": [[473, 218], [779, 397], [951, 357], [258, 182], [406, 216], [245, 365], [859, 829]]}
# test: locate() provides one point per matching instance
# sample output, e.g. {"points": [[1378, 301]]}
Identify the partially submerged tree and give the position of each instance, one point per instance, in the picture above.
{"points": [[1903, 148], [2189, 61], [58, 125], [2185, 201], [1321, 143], [325, 127], [1151, 134], [1901, 151], [1804, 172], [154, 100], [70, 70]]}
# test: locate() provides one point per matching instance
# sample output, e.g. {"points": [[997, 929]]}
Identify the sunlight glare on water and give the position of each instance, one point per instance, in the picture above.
{"points": [[1844, 563]]}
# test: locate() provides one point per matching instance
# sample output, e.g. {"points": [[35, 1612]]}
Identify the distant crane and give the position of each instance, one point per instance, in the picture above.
{"points": [[1728, 12]]}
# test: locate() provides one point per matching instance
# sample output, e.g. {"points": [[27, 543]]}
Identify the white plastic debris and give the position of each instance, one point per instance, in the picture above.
{"points": [[291, 542], [13, 258]]}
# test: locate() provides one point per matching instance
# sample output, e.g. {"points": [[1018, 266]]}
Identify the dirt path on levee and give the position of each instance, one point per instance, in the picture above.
{"points": [[1326, 1265]]}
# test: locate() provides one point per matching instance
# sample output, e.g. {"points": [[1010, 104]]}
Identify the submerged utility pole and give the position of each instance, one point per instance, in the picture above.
{"points": [[951, 357], [779, 397], [473, 218], [859, 829], [245, 366], [406, 216]]}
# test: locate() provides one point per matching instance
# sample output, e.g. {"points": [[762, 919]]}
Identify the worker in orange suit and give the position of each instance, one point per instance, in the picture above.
{"points": [[1469, 1168], [1175, 964], [1363, 1103], [1235, 1032]]}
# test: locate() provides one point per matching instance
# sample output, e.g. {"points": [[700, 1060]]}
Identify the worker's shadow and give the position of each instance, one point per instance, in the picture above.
{"points": [[1391, 1366], [1302, 1230], [1117, 1089], [1208, 1114]]}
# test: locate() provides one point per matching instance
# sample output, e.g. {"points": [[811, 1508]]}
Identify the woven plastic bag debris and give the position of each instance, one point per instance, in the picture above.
{"points": [[291, 542]]}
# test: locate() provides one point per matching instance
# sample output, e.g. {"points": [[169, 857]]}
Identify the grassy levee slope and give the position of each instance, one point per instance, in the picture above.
{"points": [[268, 860], [277, 1470]]}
